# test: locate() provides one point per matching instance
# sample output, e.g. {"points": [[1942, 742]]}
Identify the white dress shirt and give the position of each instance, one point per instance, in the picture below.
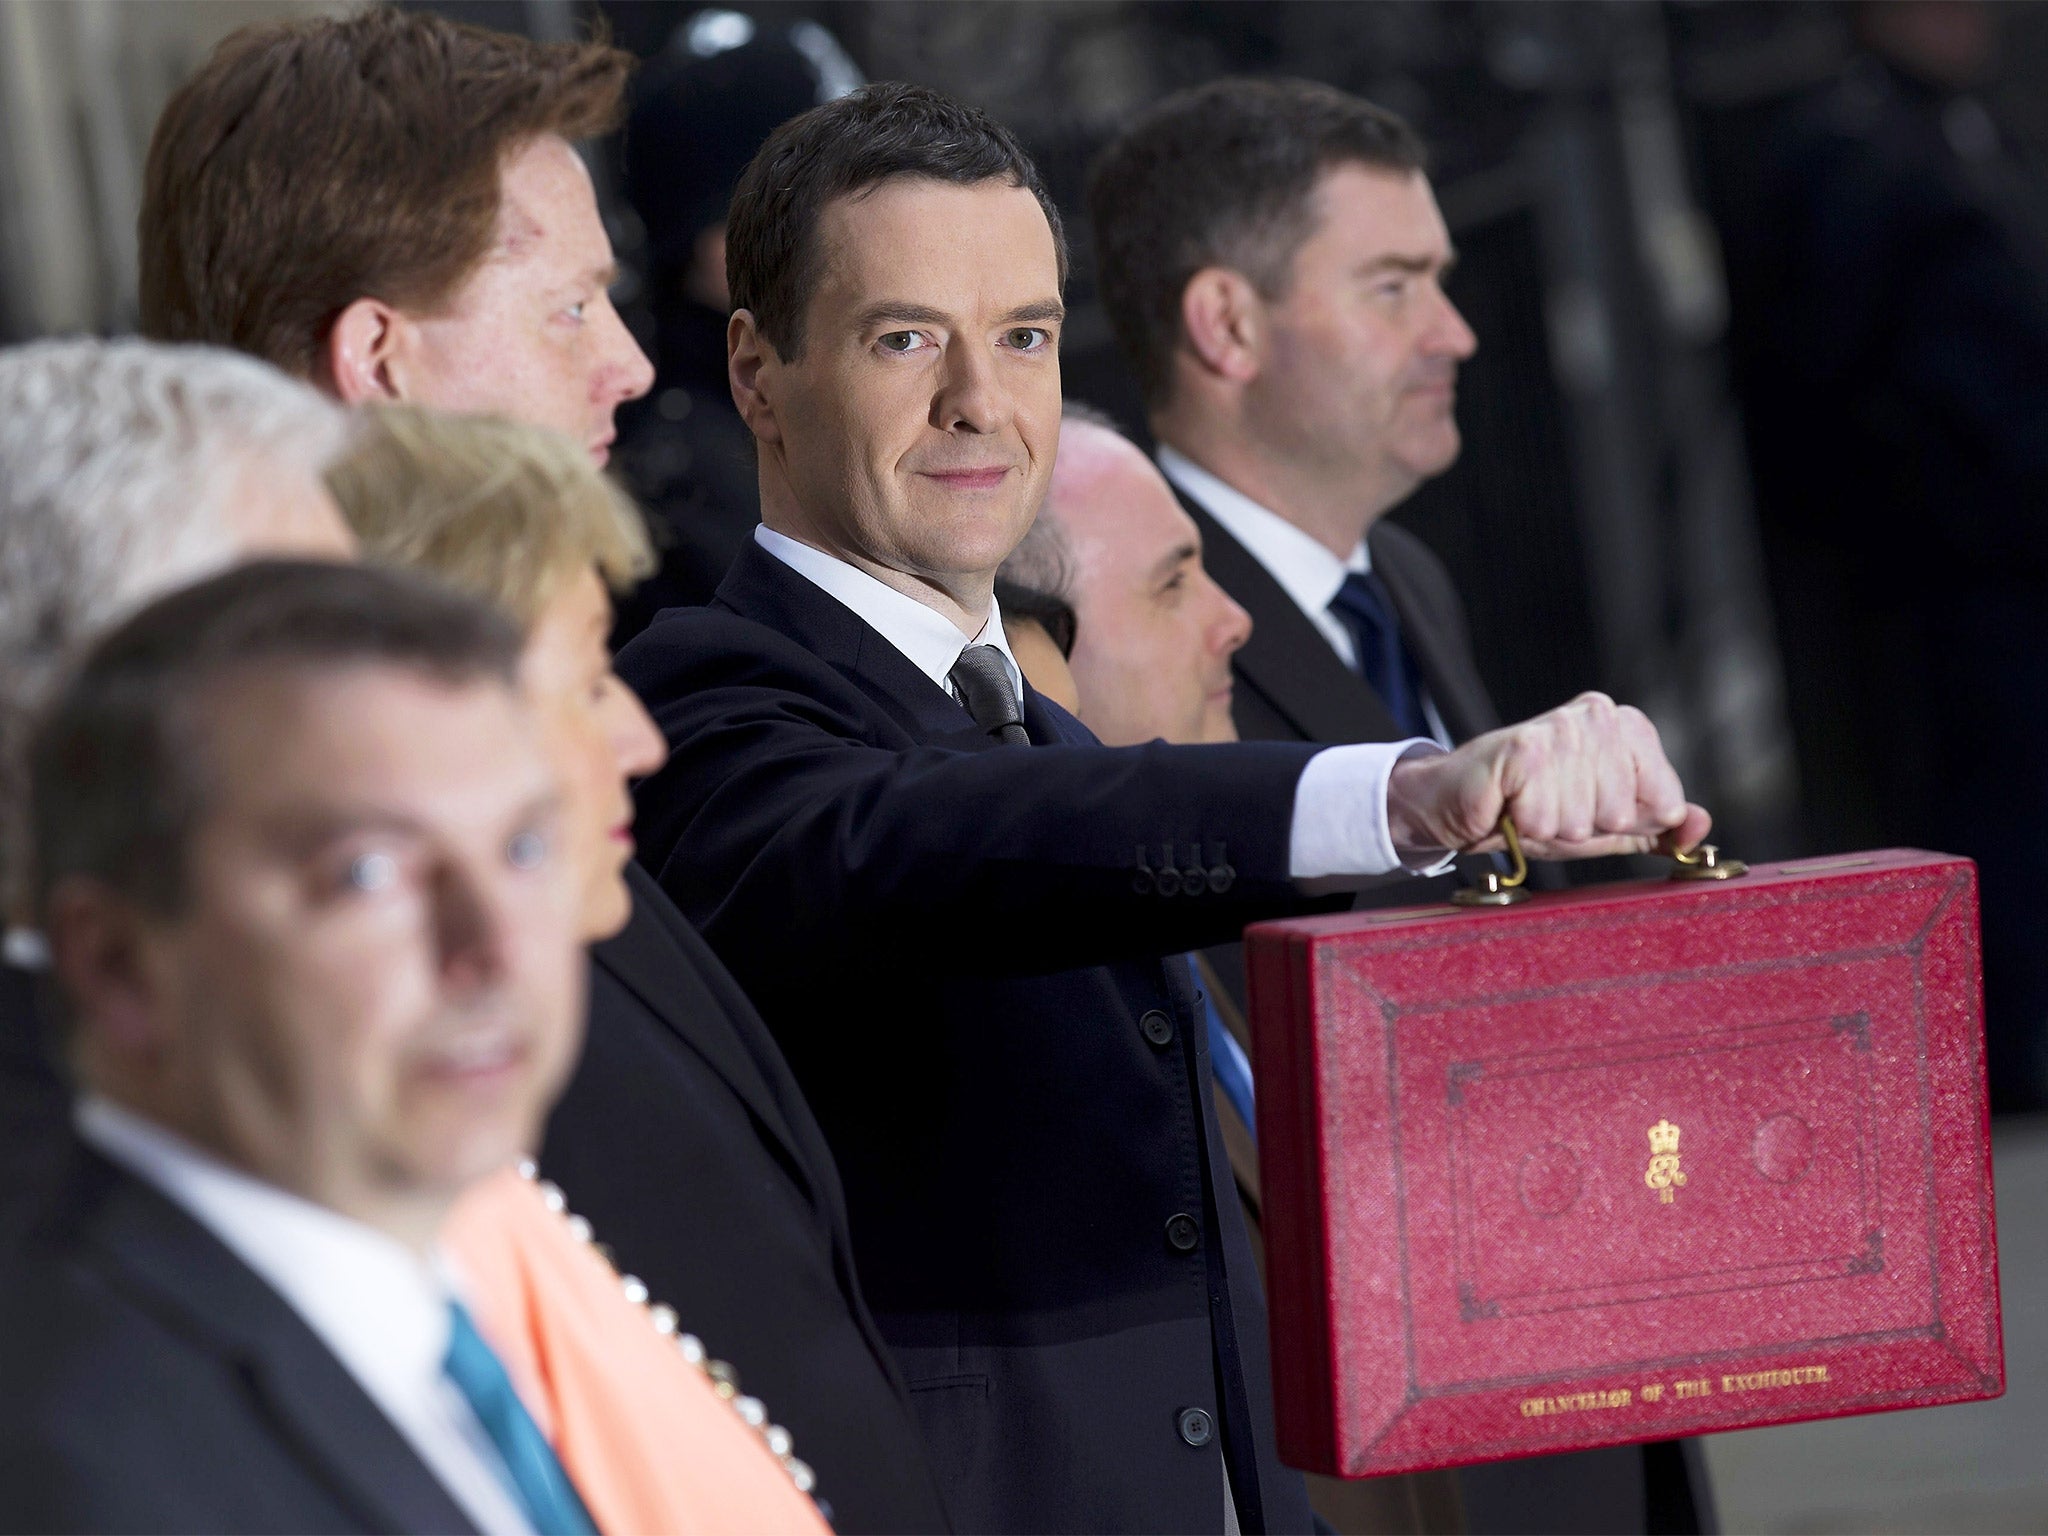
{"points": [[1339, 833], [376, 1305], [931, 640], [1304, 568]]}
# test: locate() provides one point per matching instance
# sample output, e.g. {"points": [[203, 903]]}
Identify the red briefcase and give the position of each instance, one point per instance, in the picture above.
{"points": [[1617, 1164]]}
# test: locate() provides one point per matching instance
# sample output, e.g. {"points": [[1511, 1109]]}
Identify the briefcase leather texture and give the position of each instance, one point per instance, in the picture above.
{"points": [[1624, 1163]]}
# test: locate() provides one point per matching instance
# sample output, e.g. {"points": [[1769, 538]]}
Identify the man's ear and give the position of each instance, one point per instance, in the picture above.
{"points": [[361, 351], [1224, 319], [98, 951], [751, 367]]}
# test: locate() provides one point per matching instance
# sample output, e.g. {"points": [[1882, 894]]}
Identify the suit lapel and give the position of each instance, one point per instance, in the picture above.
{"points": [[643, 959], [1287, 662], [178, 1270], [762, 588], [1050, 726]]}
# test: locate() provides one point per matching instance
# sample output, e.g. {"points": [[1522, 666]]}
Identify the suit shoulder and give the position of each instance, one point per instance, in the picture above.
{"points": [[699, 647], [1402, 556], [1398, 546]]}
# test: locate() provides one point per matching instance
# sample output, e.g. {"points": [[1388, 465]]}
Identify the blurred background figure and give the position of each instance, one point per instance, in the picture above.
{"points": [[701, 107], [126, 469], [1889, 248]]}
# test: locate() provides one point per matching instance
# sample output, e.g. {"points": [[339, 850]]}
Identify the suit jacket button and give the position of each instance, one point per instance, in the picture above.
{"points": [[1157, 1026], [1183, 1232], [1220, 878], [1196, 1427]]}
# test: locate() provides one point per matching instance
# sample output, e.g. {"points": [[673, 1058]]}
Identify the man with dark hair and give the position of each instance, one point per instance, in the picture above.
{"points": [[294, 848], [388, 205], [1272, 260], [950, 903]]}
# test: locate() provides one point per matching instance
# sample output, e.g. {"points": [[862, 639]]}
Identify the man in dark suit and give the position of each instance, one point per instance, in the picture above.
{"points": [[958, 941], [1272, 259], [293, 835]]}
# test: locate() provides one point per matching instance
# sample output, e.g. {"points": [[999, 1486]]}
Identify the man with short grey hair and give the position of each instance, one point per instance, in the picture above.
{"points": [[127, 468]]}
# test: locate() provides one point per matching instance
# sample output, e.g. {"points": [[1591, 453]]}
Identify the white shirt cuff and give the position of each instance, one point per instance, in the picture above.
{"points": [[1340, 836]]}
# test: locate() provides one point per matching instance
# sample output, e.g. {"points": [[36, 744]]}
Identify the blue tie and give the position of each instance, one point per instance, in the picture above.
{"points": [[537, 1479], [1363, 607], [1227, 1061]]}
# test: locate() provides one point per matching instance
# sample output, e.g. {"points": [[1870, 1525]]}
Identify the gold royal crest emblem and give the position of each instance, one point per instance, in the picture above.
{"points": [[1663, 1174]]}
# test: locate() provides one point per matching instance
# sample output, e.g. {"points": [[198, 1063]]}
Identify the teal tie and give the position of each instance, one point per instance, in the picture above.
{"points": [[537, 1479]]}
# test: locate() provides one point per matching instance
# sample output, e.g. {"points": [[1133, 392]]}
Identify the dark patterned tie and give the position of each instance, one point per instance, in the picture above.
{"points": [[1363, 607], [982, 679]]}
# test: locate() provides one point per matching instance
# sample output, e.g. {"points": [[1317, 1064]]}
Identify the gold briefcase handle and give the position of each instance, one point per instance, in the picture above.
{"points": [[1505, 890]]}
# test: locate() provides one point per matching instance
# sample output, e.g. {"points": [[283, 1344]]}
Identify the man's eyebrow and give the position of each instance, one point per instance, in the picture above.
{"points": [[1400, 262], [899, 309], [1175, 558], [1042, 309], [307, 830]]}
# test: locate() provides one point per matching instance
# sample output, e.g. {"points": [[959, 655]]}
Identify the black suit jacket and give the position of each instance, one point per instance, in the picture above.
{"points": [[686, 1143], [1291, 686], [153, 1382], [35, 1104], [955, 944]]}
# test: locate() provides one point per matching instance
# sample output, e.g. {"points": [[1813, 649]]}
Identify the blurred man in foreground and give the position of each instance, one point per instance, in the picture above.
{"points": [[126, 469], [296, 851], [681, 1117]]}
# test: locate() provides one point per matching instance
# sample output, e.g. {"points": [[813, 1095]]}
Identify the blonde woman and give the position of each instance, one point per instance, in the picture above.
{"points": [[683, 1140]]}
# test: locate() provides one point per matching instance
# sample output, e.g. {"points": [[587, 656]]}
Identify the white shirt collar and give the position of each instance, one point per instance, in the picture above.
{"points": [[1299, 564], [931, 641], [1306, 571], [375, 1303]]}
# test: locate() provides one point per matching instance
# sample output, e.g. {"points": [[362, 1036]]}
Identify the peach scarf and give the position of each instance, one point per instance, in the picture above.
{"points": [[644, 1433]]}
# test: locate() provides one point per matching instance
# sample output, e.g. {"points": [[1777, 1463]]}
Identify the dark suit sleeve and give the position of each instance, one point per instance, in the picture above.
{"points": [[801, 829]]}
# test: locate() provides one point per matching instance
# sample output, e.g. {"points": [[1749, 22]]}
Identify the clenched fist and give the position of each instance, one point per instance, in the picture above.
{"points": [[1586, 779]]}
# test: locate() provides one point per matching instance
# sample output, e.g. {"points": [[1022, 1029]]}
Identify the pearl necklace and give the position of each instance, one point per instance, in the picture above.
{"points": [[725, 1381]]}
